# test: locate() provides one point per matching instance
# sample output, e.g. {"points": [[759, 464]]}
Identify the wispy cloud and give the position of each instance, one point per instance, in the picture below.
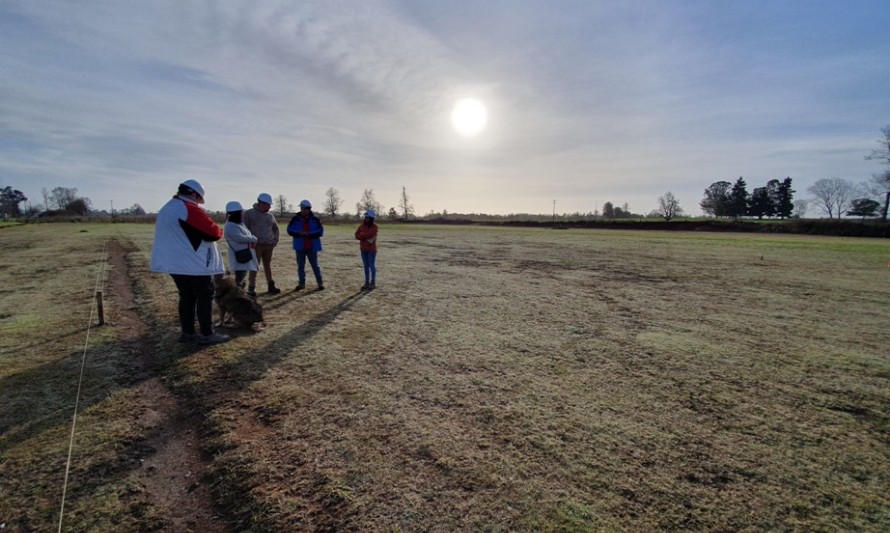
{"points": [[589, 102]]}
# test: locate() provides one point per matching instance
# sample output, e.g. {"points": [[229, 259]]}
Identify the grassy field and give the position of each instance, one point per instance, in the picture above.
{"points": [[497, 380]]}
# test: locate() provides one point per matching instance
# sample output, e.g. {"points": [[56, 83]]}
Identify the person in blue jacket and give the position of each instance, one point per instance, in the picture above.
{"points": [[306, 229]]}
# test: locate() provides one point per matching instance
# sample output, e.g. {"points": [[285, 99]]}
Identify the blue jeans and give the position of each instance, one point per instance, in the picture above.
{"points": [[312, 255], [369, 260]]}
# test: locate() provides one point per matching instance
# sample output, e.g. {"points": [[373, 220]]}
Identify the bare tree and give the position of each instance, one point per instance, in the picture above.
{"points": [[881, 182], [367, 202], [800, 208], [832, 195], [332, 202], [882, 154], [879, 186], [63, 196], [46, 197], [281, 205], [668, 206], [406, 208]]}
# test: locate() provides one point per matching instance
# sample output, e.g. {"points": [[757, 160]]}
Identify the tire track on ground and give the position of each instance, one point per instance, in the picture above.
{"points": [[172, 470]]}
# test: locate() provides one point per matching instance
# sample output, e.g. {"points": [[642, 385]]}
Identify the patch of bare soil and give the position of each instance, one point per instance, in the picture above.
{"points": [[172, 471]]}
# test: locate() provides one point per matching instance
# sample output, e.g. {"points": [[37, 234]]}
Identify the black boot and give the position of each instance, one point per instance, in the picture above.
{"points": [[273, 289]]}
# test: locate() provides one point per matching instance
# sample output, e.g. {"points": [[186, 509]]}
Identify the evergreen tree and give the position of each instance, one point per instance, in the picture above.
{"points": [[772, 190], [863, 207], [739, 199], [784, 199], [9, 201], [761, 203]]}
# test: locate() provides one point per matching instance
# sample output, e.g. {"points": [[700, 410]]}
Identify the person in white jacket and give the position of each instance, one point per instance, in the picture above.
{"points": [[239, 238], [185, 247]]}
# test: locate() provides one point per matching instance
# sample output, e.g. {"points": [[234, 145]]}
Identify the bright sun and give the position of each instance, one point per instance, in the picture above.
{"points": [[469, 117]]}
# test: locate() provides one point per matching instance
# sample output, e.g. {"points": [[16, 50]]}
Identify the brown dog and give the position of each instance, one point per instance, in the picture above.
{"points": [[233, 300]]}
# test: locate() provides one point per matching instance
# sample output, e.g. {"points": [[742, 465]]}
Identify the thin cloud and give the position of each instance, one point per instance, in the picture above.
{"points": [[588, 102]]}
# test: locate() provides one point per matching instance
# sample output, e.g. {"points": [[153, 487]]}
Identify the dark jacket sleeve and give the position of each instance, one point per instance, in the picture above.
{"points": [[317, 231], [293, 227]]}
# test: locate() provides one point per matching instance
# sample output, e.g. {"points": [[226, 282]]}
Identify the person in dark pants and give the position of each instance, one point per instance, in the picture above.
{"points": [[185, 247], [307, 230]]}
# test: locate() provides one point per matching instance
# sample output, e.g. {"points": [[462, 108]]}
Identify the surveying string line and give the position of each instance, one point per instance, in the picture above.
{"points": [[98, 286]]}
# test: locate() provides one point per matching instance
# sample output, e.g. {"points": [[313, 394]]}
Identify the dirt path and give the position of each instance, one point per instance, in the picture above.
{"points": [[172, 470]]}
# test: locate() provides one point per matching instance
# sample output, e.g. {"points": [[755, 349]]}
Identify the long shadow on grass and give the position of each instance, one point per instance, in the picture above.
{"points": [[43, 397], [255, 362]]}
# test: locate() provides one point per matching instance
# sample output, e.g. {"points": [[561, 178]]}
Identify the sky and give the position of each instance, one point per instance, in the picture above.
{"points": [[588, 101]]}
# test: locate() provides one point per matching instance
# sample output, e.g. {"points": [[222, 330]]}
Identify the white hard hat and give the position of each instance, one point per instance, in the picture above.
{"points": [[233, 206], [264, 197], [370, 213], [306, 203], [195, 186]]}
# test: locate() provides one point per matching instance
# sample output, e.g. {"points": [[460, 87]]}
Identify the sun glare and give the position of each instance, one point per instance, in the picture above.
{"points": [[469, 117]]}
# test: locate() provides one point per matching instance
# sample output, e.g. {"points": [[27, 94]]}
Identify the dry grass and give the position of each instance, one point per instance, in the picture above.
{"points": [[510, 379]]}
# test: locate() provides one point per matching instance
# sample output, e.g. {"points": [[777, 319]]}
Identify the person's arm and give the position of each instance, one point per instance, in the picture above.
{"points": [[235, 235], [295, 226], [319, 231], [275, 232], [199, 225]]}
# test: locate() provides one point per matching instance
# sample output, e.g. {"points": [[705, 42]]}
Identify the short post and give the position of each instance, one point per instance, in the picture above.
{"points": [[101, 307]]}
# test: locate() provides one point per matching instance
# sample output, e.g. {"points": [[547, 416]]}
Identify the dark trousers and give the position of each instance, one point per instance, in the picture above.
{"points": [[195, 299]]}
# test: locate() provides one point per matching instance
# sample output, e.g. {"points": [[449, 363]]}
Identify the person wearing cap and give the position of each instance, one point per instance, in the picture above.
{"points": [[239, 237], [306, 229], [367, 242], [185, 247], [263, 225]]}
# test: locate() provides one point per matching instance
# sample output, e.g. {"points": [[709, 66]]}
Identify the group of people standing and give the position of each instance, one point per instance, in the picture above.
{"points": [[185, 247]]}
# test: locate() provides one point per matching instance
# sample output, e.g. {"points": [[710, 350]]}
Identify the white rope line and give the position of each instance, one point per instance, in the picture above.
{"points": [[83, 361]]}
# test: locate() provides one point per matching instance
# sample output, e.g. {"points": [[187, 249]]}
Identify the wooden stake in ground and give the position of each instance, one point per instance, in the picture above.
{"points": [[100, 306]]}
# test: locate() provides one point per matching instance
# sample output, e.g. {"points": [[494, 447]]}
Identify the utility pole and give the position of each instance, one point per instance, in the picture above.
{"points": [[554, 211], [112, 208]]}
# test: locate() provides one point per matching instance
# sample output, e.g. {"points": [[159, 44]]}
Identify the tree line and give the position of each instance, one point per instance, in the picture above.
{"points": [[725, 199], [62, 200]]}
